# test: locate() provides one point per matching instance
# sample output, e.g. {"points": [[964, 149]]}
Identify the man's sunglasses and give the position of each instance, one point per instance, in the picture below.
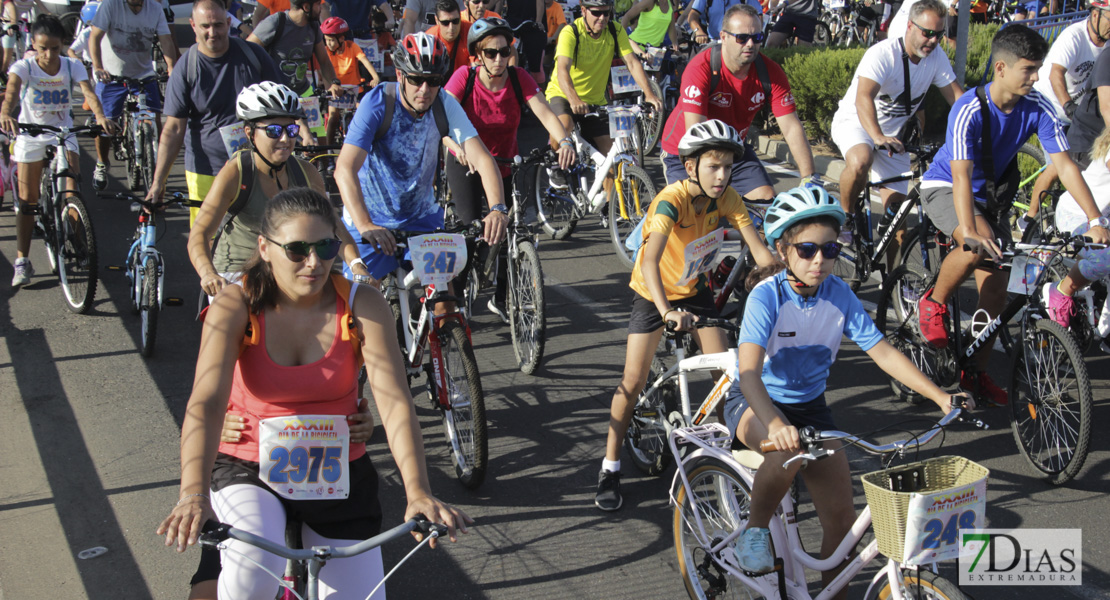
{"points": [[482, 1], [454, 21], [929, 33], [600, 12], [419, 80], [742, 38], [492, 53], [326, 249], [274, 131], [807, 250]]}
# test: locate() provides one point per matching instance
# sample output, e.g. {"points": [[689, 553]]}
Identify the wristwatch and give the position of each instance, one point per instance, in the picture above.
{"points": [[501, 208], [363, 279], [1101, 221]]}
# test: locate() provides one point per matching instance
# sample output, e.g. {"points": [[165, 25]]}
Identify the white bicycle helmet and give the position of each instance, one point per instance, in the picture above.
{"points": [[795, 205], [268, 99], [709, 135]]}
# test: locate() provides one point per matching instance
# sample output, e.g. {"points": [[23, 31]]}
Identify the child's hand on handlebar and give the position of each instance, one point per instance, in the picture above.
{"points": [[679, 320]]}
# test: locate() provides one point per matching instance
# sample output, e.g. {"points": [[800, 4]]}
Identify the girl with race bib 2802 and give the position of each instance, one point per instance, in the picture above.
{"points": [[40, 90]]}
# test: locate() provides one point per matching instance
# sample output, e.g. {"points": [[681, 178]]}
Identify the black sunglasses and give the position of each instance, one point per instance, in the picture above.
{"points": [[274, 131], [929, 33], [807, 250], [454, 21], [742, 38], [600, 12], [419, 80], [326, 249], [492, 53]]}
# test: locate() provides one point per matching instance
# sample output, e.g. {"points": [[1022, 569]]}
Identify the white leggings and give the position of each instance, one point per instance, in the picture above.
{"points": [[257, 510]]}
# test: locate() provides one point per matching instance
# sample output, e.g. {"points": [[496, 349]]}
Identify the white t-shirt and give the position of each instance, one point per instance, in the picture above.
{"points": [[80, 45], [129, 37], [1074, 51], [45, 99], [882, 63], [901, 20], [1069, 216]]}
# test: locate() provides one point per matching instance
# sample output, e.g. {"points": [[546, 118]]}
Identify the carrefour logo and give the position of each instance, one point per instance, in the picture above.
{"points": [[692, 92]]}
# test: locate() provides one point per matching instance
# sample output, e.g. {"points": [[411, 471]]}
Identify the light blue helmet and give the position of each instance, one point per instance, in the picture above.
{"points": [[88, 11], [795, 205]]}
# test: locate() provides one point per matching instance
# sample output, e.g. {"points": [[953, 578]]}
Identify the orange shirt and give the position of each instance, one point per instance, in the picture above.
{"points": [[555, 18], [275, 6], [345, 63], [457, 49], [489, 14]]}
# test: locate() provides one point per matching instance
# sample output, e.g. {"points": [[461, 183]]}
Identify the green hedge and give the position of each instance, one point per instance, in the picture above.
{"points": [[819, 78]]}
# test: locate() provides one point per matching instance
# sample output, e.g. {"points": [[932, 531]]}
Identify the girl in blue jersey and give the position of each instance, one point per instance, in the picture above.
{"points": [[793, 322]]}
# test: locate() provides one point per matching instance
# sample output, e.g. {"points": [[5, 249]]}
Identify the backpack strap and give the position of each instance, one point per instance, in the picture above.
{"points": [[714, 68], [245, 162], [192, 67], [390, 101], [279, 30], [439, 113], [297, 175], [471, 76], [577, 38], [514, 80], [616, 43], [350, 332], [986, 154], [765, 81], [907, 99]]}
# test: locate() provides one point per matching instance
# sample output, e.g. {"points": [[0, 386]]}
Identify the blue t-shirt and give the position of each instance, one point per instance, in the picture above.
{"points": [[400, 168], [964, 137], [713, 17], [801, 336], [356, 13]]}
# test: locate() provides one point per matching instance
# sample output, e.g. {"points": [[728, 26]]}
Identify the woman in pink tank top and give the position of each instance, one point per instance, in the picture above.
{"points": [[296, 382]]}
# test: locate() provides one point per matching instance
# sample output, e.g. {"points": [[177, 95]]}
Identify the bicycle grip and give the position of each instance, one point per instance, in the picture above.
{"points": [[767, 446]]}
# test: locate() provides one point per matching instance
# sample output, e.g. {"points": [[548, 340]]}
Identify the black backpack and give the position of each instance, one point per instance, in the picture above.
{"points": [[472, 76]]}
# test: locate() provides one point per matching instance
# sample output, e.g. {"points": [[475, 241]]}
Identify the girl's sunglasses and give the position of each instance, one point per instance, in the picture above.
{"points": [[274, 131], [600, 12], [419, 80], [326, 249], [807, 250], [492, 53]]}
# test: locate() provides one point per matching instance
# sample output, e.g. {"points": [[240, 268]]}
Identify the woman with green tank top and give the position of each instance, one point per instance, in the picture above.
{"points": [[656, 20], [232, 211]]}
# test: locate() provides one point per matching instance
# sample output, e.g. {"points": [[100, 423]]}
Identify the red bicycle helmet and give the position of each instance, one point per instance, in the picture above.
{"points": [[334, 26], [421, 54], [1101, 4]]}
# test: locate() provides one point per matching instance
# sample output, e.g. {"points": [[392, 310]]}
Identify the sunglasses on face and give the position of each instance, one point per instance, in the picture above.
{"points": [[481, 2], [274, 131], [454, 21], [600, 12], [742, 38], [492, 53], [928, 33], [326, 249], [807, 250], [419, 80]]}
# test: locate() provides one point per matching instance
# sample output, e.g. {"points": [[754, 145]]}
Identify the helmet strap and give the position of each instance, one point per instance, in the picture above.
{"points": [[795, 282], [274, 168]]}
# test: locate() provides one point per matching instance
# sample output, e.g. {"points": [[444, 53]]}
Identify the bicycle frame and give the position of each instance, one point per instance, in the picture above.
{"points": [[142, 248], [720, 361]]}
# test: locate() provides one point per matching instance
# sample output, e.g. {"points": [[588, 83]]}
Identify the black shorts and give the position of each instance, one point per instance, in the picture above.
{"points": [[800, 26], [646, 318], [813, 413], [592, 126]]}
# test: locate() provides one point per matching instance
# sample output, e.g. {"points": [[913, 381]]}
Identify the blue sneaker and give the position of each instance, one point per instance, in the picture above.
{"points": [[753, 550]]}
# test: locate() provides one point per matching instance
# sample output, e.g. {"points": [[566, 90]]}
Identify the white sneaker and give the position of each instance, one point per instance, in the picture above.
{"points": [[23, 272], [753, 550], [557, 178], [498, 310], [100, 176]]}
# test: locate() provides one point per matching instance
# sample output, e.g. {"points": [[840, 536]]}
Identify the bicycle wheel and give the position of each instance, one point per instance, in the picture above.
{"points": [[149, 305], [922, 584], [70, 22], [722, 501], [77, 256], [652, 127], [1050, 401], [133, 150], [555, 208], [924, 256], [846, 266], [822, 35], [465, 422], [646, 439], [148, 153], [526, 307], [897, 317], [636, 191], [44, 221]]}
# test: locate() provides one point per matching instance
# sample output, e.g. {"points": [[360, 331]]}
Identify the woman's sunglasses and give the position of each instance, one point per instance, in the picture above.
{"points": [[419, 80], [600, 12], [742, 38], [274, 131], [807, 250], [326, 249], [492, 53]]}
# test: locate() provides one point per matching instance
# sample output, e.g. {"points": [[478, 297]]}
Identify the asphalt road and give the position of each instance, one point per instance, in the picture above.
{"points": [[89, 444]]}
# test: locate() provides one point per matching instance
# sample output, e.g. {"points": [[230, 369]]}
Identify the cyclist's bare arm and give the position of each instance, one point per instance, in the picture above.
{"points": [[375, 78], [701, 36], [795, 135], [9, 112], [1104, 103], [562, 63], [653, 249], [1059, 84], [895, 364], [320, 51], [390, 389], [1072, 179], [779, 430], [866, 92], [260, 13], [97, 108], [348, 250], [209, 217], [554, 128], [963, 201], [169, 50], [951, 92], [200, 433], [390, 19], [351, 158], [483, 162], [408, 26], [96, 36], [639, 7], [173, 136]]}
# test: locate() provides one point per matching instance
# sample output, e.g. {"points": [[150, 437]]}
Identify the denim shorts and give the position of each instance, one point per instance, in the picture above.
{"points": [[813, 413]]}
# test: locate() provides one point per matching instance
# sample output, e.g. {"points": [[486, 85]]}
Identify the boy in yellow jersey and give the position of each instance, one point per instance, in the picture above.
{"points": [[682, 234]]}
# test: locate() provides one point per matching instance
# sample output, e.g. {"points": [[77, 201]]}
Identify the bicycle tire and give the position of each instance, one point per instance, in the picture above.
{"points": [[1041, 421], [76, 257], [897, 318], [723, 503], [846, 266], [465, 423], [638, 192], [1031, 161], [148, 156], [923, 584], [70, 22], [555, 209], [149, 306], [527, 310], [45, 222], [646, 438], [133, 149], [822, 35], [653, 127]]}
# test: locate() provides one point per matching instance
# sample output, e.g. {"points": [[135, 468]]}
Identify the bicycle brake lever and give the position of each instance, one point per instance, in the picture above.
{"points": [[977, 423], [817, 455]]}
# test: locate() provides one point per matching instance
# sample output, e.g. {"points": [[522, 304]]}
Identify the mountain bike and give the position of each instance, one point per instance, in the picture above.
{"points": [[1049, 389], [454, 384], [309, 561], [63, 222], [137, 142], [631, 192], [711, 494], [145, 269]]}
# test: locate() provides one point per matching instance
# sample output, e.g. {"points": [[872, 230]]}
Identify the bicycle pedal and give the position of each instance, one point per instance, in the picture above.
{"points": [[173, 302]]}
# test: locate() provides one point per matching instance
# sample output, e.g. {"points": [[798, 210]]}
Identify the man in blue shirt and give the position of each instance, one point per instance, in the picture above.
{"points": [[707, 16], [955, 193], [386, 181]]}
